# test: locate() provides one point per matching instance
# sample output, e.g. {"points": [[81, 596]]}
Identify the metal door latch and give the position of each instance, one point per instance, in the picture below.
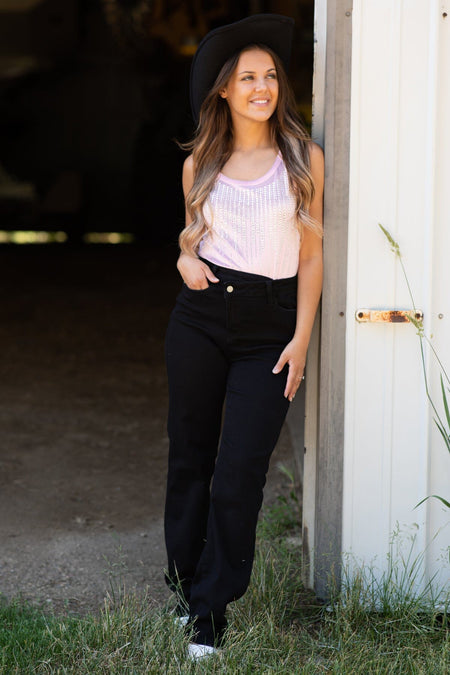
{"points": [[388, 315]]}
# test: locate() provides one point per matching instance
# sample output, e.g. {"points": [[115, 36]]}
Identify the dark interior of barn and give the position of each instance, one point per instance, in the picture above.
{"points": [[93, 105]]}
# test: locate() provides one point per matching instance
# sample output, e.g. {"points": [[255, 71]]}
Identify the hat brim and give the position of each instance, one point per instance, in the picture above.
{"points": [[274, 30]]}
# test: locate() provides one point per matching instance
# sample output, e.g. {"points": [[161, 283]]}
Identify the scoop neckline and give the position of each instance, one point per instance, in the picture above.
{"points": [[255, 181]]}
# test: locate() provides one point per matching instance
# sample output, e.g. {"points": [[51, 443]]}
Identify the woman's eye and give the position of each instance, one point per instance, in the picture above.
{"points": [[270, 76]]}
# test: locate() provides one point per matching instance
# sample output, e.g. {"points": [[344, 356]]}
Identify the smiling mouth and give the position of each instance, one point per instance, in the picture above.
{"points": [[260, 101]]}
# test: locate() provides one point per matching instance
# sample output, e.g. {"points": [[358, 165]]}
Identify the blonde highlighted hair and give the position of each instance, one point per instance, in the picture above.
{"points": [[212, 146]]}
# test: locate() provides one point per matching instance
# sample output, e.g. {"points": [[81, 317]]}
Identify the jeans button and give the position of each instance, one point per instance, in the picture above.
{"points": [[230, 289]]}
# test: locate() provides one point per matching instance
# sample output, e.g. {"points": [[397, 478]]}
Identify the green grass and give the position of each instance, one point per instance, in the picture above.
{"points": [[278, 627]]}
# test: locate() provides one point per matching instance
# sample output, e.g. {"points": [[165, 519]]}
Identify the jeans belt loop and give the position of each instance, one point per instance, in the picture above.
{"points": [[269, 289]]}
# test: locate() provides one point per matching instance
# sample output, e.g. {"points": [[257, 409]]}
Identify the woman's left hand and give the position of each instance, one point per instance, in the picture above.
{"points": [[295, 356]]}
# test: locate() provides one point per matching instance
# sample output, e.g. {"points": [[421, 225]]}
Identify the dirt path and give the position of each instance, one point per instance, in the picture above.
{"points": [[82, 423]]}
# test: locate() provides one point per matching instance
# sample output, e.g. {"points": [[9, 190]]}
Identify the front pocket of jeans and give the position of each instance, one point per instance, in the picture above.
{"points": [[196, 290], [287, 301], [253, 322]]}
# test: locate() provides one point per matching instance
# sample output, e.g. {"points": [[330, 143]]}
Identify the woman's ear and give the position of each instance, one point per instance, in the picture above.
{"points": [[223, 93]]}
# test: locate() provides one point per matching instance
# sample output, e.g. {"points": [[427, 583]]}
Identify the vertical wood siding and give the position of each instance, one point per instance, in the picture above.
{"points": [[399, 177]]}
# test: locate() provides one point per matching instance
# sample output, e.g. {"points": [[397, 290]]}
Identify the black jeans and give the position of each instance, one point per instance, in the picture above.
{"points": [[221, 346]]}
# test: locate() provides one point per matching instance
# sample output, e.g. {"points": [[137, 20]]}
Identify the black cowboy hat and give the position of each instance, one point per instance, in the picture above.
{"points": [[274, 30]]}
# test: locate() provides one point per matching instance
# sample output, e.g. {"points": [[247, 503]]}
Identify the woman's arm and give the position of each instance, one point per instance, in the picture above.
{"points": [[310, 274], [195, 273]]}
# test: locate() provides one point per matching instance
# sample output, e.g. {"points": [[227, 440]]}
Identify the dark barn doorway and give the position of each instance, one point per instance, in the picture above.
{"points": [[92, 95]]}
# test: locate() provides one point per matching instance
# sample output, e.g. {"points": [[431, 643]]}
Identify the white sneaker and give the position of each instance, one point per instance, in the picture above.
{"points": [[181, 620], [197, 651]]}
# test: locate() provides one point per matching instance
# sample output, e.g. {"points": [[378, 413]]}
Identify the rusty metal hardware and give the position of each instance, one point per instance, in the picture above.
{"points": [[387, 315]]}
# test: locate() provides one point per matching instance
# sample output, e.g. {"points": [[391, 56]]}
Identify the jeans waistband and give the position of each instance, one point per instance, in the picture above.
{"points": [[249, 284], [227, 274]]}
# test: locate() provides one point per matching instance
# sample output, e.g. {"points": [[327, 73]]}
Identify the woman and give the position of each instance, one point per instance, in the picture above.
{"points": [[251, 263]]}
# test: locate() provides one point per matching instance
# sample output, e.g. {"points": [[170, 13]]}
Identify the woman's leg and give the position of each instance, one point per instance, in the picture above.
{"points": [[197, 371], [254, 414]]}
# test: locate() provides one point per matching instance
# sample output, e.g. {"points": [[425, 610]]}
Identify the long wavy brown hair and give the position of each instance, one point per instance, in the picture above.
{"points": [[212, 146]]}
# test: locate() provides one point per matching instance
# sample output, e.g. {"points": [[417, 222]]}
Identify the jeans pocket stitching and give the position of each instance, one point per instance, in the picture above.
{"points": [[197, 290], [285, 309]]}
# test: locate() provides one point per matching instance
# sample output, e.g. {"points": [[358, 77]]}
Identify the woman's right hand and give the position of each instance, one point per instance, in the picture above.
{"points": [[195, 273]]}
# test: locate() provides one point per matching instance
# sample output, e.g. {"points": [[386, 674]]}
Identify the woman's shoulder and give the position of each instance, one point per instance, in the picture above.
{"points": [[315, 151], [317, 164], [188, 165], [316, 160], [188, 174]]}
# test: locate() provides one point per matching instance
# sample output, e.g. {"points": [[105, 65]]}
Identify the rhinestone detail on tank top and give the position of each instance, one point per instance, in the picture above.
{"points": [[253, 224]]}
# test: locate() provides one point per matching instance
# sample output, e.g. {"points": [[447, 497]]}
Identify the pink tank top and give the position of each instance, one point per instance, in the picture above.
{"points": [[253, 227]]}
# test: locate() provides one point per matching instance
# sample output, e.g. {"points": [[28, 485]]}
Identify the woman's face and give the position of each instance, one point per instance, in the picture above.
{"points": [[252, 92]]}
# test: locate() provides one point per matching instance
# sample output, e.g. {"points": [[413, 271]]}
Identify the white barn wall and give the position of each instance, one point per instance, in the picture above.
{"points": [[399, 177]]}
